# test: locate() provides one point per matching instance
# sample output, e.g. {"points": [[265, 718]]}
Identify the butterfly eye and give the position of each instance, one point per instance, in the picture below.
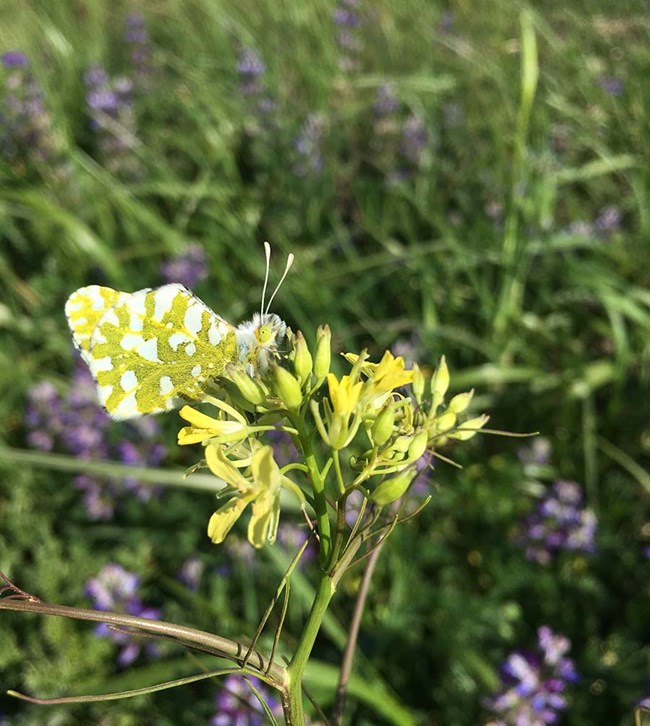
{"points": [[264, 333]]}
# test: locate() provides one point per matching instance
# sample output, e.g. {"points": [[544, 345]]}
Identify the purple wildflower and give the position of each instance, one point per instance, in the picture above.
{"points": [[188, 267], [407, 348], [612, 85], [137, 38], [309, 147], [251, 69], [237, 705], [112, 117], [414, 141], [608, 221], [398, 143], [386, 102], [559, 522], [537, 453], [191, 573], [348, 19], [27, 134], [534, 683], [14, 59], [116, 589], [646, 552], [446, 22], [75, 424]]}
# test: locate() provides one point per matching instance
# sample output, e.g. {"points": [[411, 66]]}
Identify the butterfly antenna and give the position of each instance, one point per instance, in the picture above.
{"points": [[267, 252], [290, 259]]}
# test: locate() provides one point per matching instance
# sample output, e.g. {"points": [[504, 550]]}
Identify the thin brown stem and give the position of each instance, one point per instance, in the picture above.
{"points": [[350, 646], [266, 670]]}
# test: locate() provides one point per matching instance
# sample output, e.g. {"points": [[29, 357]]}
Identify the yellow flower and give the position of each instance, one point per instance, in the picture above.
{"points": [[383, 378], [262, 488], [389, 373], [203, 427], [344, 394]]}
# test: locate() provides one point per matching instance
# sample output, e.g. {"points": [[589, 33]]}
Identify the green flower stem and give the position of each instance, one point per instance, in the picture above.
{"points": [[318, 484], [294, 714], [337, 469]]}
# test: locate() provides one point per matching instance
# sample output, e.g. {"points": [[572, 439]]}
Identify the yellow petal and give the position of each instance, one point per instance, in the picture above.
{"points": [[220, 466], [264, 520], [197, 419], [222, 520], [266, 472], [189, 435]]}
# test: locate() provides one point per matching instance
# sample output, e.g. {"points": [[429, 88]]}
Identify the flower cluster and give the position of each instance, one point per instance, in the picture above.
{"points": [[534, 683], [559, 522], [112, 117], [116, 589], [191, 573], [75, 424], [136, 37], [27, 134], [348, 19], [606, 224], [399, 141], [189, 267], [237, 704], [251, 69], [389, 431], [308, 146]]}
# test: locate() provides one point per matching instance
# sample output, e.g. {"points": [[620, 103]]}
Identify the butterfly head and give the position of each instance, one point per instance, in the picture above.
{"points": [[260, 338]]}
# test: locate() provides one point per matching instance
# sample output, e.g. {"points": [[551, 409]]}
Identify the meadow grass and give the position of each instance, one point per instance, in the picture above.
{"points": [[517, 246]]}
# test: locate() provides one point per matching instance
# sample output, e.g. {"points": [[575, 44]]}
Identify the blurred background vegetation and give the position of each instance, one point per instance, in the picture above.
{"points": [[458, 178]]}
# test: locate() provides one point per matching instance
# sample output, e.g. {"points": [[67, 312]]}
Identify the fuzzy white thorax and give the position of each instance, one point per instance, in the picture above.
{"points": [[258, 340]]}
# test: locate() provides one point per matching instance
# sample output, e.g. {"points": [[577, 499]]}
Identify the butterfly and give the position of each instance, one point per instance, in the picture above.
{"points": [[154, 349]]}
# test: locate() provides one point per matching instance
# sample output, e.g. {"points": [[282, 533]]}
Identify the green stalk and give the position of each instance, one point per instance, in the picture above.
{"points": [[294, 713], [318, 484]]}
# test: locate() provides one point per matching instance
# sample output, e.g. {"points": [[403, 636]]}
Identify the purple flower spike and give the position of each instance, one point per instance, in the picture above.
{"points": [[237, 705], [189, 267], [116, 589], [347, 20], [308, 145], [15, 59], [75, 424], [534, 682], [112, 118], [191, 573], [27, 134], [559, 522]]}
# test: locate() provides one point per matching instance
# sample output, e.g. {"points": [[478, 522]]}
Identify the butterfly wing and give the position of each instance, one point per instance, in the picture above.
{"points": [[149, 350], [85, 308]]}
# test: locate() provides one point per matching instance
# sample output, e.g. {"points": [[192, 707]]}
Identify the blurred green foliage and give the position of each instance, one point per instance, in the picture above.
{"points": [[518, 247]]}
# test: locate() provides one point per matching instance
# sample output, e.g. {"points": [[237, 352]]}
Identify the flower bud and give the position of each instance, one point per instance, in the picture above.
{"points": [[382, 429], [418, 445], [440, 382], [445, 421], [323, 355], [418, 382], [287, 387], [338, 430], [249, 388], [460, 402], [469, 428], [302, 361], [402, 444], [391, 489]]}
